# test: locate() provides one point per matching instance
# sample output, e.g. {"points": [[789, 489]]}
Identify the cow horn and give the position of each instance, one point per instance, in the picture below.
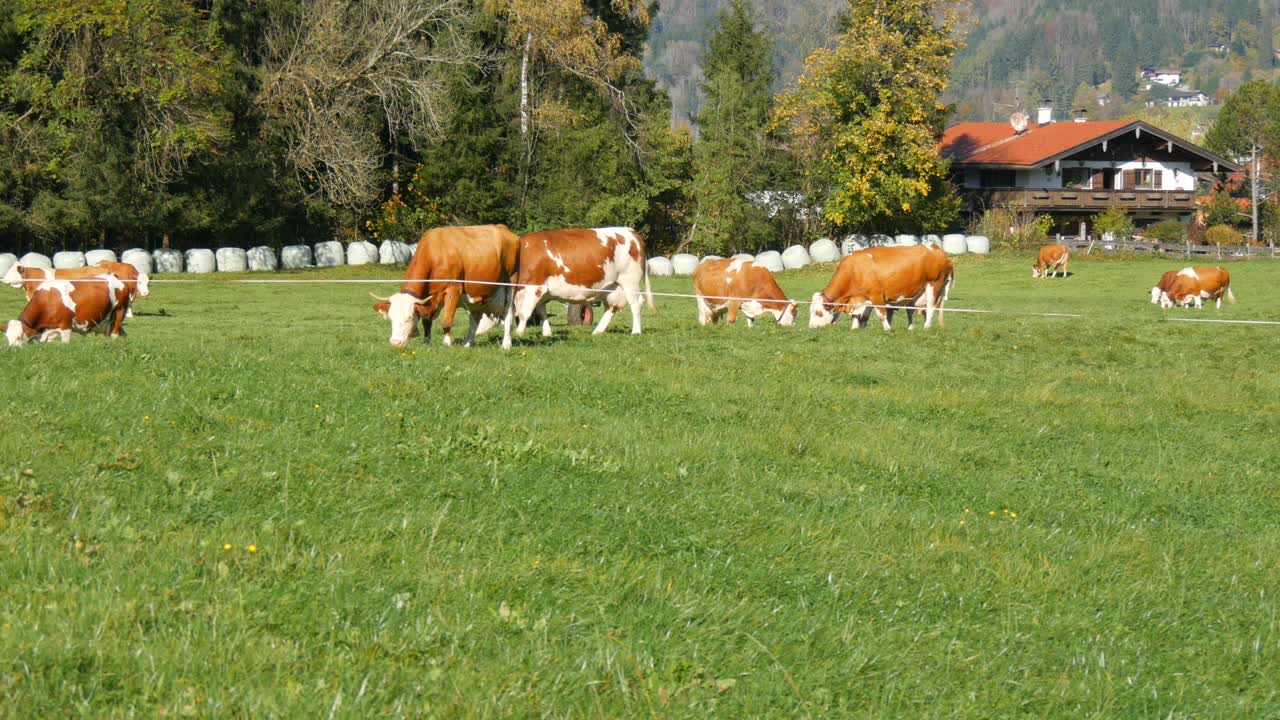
{"points": [[379, 299]]}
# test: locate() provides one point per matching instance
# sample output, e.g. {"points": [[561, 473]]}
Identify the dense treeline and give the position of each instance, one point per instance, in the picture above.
{"points": [[202, 122]]}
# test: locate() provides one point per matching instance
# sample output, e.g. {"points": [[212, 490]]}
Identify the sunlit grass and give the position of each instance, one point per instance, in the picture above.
{"points": [[251, 506]]}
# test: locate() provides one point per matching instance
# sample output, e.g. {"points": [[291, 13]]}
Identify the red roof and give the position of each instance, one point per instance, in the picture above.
{"points": [[994, 143]]}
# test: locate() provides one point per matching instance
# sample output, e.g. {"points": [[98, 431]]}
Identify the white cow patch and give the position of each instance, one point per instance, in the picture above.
{"points": [[1189, 272], [737, 264], [63, 288], [13, 333], [559, 261], [606, 233]]}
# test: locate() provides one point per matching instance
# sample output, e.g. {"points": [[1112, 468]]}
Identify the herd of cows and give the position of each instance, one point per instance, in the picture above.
{"points": [[501, 277]]}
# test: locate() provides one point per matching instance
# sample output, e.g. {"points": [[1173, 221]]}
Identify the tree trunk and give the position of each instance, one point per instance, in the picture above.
{"points": [[524, 87], [1253, 193], [167, 240]]}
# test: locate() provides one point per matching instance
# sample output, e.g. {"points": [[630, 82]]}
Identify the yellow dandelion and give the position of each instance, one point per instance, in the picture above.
{"points": [[146, 418], [317, 406], [992, 513], [227, 547], [253, 548], [1013, 515]]}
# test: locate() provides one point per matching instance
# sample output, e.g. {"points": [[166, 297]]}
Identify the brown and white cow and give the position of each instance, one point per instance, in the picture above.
{"points": [[57, 307], [581, 266], [28, 278], [918, 276], [1194, 285], [1053, 257], [454, 265], [738, 283]]}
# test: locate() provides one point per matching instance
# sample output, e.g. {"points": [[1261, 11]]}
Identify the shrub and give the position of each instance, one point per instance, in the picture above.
{"points": [[1167, 231], [1114, 221], [1012, 227], [405, 217], [1222, 235]]}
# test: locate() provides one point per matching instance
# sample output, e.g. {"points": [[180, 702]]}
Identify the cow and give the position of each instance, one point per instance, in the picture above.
{"points": [[738, 283], [581, 266], [1193, 285], [1053, 257], [469, 265], [56, 307], [918, 276], [27, 278]]}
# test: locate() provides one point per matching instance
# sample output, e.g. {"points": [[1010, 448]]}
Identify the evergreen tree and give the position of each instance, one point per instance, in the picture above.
{"points": [[729, 159]]}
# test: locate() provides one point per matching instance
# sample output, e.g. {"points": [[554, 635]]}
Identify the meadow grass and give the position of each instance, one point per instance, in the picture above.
{"points": [[1012, 516]]}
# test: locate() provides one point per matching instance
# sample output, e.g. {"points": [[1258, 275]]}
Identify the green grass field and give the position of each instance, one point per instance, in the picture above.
{"points": [[1011, 517]]}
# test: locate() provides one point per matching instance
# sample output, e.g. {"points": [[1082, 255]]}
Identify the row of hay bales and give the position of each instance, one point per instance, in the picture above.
{"points": [[824, 251], [324, 254]]}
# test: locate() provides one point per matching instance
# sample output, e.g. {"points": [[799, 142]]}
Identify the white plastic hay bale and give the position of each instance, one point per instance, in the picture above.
{"points": [[231, 259], [329, 254], [683, 263], [705, 258], [906, 240], [295, 257], [68, 259], [137, 257], [93, 257], [362, 252], [167, 260], [262, 259], [744, 256], [394, 252], [852, 244], [35, 260], [660, 267], [953, 244], [879, 240], [824, 251], [933, 240], [200, 260], [7, 260], [980, 244], [771, 260], [795, 257]]}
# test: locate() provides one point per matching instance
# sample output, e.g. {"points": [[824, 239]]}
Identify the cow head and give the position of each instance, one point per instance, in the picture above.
{"points": [[403, 310], [1156, 292], [1035, 270], [787, 317], [15, 334], [822, 312], [144, 284], [13, 276]]}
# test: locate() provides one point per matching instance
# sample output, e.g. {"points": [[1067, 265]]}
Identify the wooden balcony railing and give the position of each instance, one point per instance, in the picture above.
{"points": [[1091, 200]]}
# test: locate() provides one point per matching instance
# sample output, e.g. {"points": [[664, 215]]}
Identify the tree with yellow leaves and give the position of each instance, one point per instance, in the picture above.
{"points": [[865, 117]]}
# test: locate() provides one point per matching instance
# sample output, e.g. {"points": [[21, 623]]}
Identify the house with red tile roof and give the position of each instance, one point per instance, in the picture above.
{"points": [[1072, 170]]}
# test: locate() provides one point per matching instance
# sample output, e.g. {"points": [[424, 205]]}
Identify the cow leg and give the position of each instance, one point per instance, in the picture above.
{"points": [[509, 307], [542, 317], [750, 323], [446, 315], [885, 313], [911, 319], [426, 329], [930, 299], [607, 316], [117, 319], [705, 315], [733, 312], [526, 302], [636, 303]]}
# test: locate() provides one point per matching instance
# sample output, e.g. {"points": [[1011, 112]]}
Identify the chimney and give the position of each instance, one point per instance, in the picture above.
{"points": [[1081, 115], [1044, 114]]}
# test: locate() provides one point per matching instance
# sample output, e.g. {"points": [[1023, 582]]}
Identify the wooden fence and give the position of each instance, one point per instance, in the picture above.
{"points": [[1220, 252]]}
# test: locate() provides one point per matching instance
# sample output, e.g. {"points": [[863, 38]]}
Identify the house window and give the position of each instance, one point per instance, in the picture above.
{"points": [[1141, 179], [997, 179], [1077, 178]]}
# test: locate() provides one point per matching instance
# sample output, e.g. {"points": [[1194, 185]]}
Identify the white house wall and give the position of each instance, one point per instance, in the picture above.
{"points": [[1177, 176]]}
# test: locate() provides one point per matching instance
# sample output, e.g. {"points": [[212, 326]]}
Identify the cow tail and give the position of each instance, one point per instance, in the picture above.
{"points": [[648, 290]]}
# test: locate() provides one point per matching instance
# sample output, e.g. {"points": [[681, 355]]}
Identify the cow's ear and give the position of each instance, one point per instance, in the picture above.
{"points": [[381, 308], [421, 309]]}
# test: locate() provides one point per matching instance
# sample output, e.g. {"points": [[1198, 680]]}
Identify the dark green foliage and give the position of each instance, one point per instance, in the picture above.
{"points": [[730, 156], [1167, 231]]}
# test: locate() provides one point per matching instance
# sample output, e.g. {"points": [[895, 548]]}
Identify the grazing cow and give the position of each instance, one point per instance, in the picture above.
{"points": [[57, 307], [453, 265], [1166, 280], [27, 278], [918, 276], [579, 267], [734, 283], [1193, 285], [1053, 257]]}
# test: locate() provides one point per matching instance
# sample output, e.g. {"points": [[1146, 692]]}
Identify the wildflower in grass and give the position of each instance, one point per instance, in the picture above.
{"points": [[1013, 515], [146, 418], [317, 406], [227, 547], [253, 548], [992, 513]]}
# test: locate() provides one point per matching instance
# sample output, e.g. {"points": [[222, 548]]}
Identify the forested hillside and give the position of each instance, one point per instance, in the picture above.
{"points": [[1016, 52]]}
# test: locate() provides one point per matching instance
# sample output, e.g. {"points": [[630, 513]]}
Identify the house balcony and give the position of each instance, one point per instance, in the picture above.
{"points": [[1068, 200]]}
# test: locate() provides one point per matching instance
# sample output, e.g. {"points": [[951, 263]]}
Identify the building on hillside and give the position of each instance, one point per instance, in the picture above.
{"points": [[1188, 98], [1171, 78], [1073, 170]]}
